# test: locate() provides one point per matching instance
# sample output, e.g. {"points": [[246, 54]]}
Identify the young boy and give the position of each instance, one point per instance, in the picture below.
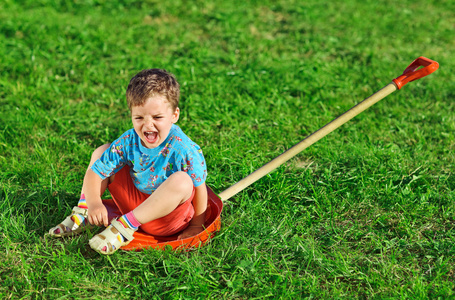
{"points": [[154, 172]]}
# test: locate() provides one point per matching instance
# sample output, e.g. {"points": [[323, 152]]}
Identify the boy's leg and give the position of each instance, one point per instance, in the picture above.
{"points": [[171, 193], [75, 223]]}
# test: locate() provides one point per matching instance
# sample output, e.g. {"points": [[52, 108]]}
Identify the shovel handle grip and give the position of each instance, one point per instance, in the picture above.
{"points": [[412, 72]]}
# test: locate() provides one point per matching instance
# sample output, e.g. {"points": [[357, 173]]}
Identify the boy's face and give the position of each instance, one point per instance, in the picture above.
{"points": [[153, 120]]}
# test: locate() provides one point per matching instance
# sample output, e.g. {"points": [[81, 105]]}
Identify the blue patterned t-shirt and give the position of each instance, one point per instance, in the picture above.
{"points": [[151, 167]]}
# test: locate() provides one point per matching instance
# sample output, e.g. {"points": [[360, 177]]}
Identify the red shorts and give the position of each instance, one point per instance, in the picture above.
{"points": [[127, 197]]}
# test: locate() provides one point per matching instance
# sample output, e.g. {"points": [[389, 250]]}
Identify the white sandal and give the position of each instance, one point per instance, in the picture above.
{"points": [[109, 238], [68, 227]]}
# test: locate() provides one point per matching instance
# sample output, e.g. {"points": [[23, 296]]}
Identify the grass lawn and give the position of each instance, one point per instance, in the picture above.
{"points": [[368, 212]]}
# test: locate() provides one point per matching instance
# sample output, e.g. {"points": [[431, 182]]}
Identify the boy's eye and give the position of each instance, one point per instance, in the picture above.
{"points": [[137, 118]]}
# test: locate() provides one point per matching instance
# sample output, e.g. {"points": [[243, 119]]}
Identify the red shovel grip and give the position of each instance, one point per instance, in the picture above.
{"points": [[411, 73]]}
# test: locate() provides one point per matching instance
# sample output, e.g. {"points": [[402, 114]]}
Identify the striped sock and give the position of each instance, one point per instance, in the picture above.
{"points": [[82, 202], [128, 221], [77, 218]]}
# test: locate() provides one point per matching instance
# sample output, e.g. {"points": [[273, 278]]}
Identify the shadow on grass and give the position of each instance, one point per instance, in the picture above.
{"points": [[32, 211]]}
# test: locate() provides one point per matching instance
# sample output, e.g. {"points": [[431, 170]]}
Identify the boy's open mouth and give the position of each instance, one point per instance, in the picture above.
{"points": [[151, 136]]}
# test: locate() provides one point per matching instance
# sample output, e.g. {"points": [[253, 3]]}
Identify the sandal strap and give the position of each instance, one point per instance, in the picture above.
{"points": [[80, 211], [126, 233]]}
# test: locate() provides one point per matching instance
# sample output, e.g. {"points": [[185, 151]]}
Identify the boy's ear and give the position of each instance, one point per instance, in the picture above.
{"points": [[176, 115]]}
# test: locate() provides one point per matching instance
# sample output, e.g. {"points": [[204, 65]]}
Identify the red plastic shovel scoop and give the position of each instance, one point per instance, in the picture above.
{"points": [[419, 68]]}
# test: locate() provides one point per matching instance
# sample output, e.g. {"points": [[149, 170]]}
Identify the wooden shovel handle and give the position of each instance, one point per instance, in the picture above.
{"points": [[408, 75]]}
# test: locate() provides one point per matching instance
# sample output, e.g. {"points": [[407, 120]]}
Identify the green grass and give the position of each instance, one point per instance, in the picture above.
{"points": [[367, 212]]}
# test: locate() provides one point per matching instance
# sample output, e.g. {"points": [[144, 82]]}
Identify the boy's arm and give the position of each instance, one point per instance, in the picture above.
{"points": [[97, 212], [200, 206]]}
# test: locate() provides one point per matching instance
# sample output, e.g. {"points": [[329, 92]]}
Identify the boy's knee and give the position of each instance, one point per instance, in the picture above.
{"points": [[182, 184], [99, 151], [182, 180]]}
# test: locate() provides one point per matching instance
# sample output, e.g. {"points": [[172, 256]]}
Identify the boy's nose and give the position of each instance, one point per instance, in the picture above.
{"points": [[149, 123]]}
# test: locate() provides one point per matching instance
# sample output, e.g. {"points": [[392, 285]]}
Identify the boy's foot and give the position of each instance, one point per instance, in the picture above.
{"points": [[112, 238], [73, 224]]}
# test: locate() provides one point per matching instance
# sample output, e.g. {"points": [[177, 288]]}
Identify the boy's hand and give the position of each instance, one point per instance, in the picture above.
{"points": [[190, 231], [97, 215]]}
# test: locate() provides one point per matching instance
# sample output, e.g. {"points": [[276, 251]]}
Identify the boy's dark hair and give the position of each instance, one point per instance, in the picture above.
{"points": [[152, 82]]}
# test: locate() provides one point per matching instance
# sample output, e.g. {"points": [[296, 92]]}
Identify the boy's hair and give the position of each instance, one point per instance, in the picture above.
{"points": [[152, 82]]}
